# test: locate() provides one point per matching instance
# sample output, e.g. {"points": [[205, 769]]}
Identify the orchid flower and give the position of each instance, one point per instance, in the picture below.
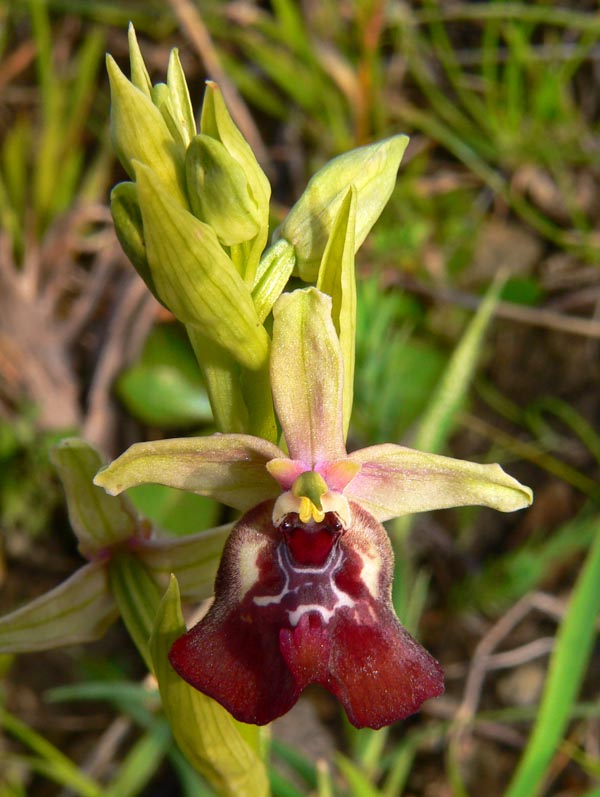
{"points": [[303, 592]]}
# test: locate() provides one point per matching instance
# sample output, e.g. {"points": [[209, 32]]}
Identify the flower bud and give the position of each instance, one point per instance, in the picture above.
{"points": [[217, 123], [195, 278], [219, 192], [140, 133], [308, 225], [127, 217]]}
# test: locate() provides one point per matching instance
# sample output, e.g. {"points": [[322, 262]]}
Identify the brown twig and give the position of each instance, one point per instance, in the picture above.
{"points": [[132, 319], [535, 316]]}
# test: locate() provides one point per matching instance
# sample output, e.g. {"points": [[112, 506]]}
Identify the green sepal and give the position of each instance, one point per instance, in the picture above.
{"points": [[274, 271], [337, 278], [98, 520], [129, 226], [180, 104], [372, 170], [195, 278], [216, 122], [224, 751], [140, 133], [77, 611], [137, 596], [218, 191], [139, 74]]}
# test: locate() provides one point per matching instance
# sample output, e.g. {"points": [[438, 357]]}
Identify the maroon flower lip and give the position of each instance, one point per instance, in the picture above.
{"points": [[307, 603]]}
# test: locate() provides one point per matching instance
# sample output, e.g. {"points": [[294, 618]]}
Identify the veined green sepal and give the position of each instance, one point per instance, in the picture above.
{"points": [[221, 749], [98, 520], [371, 170], [195, 278], [140, 133], [78, 610]]}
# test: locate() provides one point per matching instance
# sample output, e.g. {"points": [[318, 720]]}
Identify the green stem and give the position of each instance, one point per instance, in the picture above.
{"points": [[222, 376]]}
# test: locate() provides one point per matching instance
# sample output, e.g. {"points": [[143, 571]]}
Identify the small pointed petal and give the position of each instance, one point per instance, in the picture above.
{"points": [[193, 559], [229, 468], [78, 610], [98, 520], [274, 271], [233, 654], [286, 471], [339, 474], [307, 376], [396, 481]]}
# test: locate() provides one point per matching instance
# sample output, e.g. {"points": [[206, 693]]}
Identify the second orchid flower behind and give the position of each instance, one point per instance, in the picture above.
{"points": [[303, 592]]}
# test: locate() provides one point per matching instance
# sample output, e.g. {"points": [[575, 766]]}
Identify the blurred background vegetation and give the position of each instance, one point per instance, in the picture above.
{"points": [[502, 101]]}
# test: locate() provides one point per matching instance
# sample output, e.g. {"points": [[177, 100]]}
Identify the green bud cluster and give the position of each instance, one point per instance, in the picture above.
{"points": [[194, 221]]}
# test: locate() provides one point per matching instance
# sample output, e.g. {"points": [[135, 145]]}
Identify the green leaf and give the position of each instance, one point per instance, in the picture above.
{"points": [[98, 520], [178, 512], [338, 280], [78, 610], [371, 170], [195, 278], [165, 387], [207, 734]]}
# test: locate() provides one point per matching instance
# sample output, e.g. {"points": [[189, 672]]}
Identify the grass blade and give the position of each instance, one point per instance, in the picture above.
{"points": [[567, 668]]}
